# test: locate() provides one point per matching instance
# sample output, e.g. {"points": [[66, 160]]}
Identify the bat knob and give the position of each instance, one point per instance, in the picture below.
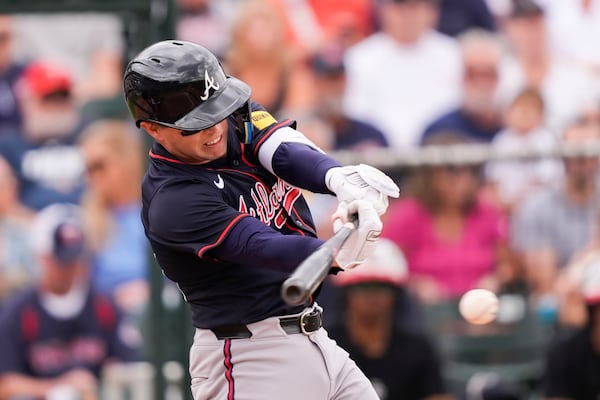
{"points": [[292, 293]]}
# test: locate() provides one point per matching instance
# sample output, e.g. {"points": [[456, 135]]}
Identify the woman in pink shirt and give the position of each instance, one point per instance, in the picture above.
{"points": [[452, 239]]}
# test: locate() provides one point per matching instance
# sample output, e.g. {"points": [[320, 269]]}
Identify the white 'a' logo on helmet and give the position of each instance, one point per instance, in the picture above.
{"points": [[209, 84]]}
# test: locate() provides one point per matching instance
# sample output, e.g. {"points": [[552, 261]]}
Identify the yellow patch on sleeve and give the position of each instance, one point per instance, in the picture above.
{"points": [[262, 119]]}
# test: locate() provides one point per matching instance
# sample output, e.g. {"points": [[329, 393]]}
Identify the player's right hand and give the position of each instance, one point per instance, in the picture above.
{"points": [[362, 242]]}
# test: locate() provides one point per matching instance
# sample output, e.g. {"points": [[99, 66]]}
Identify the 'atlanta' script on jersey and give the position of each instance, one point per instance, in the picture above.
{"points": [[270, 204]]}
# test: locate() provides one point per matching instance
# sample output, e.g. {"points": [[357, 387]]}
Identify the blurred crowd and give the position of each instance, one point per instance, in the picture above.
{"points": [[357, 75]]}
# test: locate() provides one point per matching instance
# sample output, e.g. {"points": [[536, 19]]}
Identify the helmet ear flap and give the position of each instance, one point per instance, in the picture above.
{"points": [[244, 129]]}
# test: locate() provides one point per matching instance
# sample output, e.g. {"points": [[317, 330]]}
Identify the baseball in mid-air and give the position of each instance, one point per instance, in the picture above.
{"points": [[478, 306]]}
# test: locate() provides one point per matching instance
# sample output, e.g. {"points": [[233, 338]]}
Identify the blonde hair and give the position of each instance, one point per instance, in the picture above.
{"points": [[128, 147], [249, 10]]}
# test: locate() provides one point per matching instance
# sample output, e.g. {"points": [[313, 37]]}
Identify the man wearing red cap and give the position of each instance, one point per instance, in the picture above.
{"points": [[43, 154]]}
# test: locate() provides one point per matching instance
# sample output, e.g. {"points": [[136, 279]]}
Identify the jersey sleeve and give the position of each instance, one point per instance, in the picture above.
{"points": [[264, 125], [253, 243], [191, 217], [288, 154]]}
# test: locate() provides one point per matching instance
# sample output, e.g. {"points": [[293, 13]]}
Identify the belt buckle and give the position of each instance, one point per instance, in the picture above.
{"points": [[314, 311]]}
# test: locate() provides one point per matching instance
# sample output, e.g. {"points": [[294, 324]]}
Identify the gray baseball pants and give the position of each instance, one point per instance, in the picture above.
{"points": [[274, 365]]}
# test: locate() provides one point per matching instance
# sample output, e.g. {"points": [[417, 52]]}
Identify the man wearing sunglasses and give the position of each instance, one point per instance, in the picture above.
{"points": [[227, 222]]}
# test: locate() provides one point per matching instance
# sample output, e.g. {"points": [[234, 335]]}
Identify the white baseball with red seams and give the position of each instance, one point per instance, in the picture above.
{"points": [[478, 306]]}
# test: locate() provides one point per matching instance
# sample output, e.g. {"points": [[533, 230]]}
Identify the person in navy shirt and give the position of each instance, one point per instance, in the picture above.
{"points": [[479, 116], [60, 331], [224, 214]]}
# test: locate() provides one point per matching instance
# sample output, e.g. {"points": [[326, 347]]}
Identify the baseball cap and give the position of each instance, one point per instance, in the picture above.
{"points": [[525, 8], [386, 265], [43, 79], [58, 230]]}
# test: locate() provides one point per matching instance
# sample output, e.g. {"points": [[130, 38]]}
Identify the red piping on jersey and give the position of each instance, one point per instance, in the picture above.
{"points": [[244, 160], [154, 155], [290, 227], [269, 133], [228, 369], [301, 220], [222, 235]]}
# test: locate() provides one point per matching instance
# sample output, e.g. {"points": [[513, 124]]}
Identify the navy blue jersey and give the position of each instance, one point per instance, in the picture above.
{"points": [[34, 343], [189, 211]]}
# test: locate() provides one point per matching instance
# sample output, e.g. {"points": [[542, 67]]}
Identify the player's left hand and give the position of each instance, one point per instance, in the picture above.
{"points": [[361, 243], [362, 182]]}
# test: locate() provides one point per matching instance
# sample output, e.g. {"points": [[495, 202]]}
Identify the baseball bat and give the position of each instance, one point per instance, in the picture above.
{"points": [[305, 279]]}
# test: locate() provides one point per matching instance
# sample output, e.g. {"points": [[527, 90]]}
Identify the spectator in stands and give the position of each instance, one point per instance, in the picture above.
{"points": [[458, 16], [552, 225], [401, 363], [348, 133], [573, 363], [111, 207], [402, 77], [60, 332], [566, 88], [10, 71], [16, 261], [261, 56], [512, 180], [206, 22], [591, 114], [91, 44], [311, 23], [453, 240], [574, 31], [46, 161], [479, 114]]}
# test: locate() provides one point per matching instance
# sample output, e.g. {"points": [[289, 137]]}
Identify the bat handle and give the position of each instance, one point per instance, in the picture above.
{"points": [[311, 272]]}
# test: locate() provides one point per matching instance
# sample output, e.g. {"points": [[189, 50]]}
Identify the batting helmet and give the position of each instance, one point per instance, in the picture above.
{"points": [[181, 85]]}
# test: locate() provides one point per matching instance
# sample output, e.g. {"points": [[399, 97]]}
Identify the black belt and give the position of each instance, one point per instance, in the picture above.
{"points": [[305, 323]]}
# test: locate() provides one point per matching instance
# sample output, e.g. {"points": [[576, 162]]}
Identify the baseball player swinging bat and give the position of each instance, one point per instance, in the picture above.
{"points": [[312, 271]]}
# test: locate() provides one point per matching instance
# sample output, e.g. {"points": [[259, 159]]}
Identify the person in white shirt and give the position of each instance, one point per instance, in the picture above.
{"points": [[566, 88], [574, 30], [513, 180], [401, 78]]}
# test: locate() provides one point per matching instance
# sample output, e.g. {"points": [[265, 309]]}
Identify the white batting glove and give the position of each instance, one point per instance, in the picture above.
{"points": [[362, 182], [363, 240]]}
